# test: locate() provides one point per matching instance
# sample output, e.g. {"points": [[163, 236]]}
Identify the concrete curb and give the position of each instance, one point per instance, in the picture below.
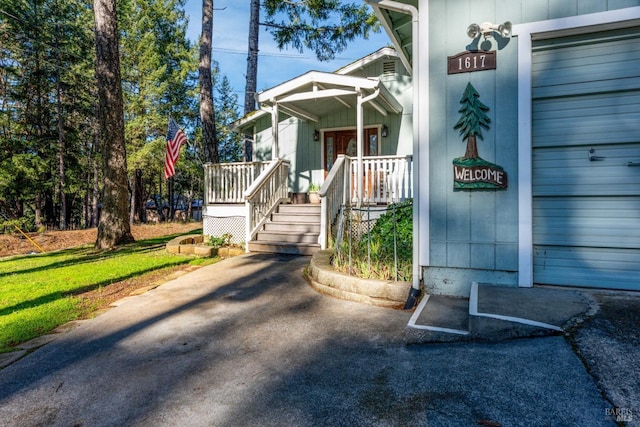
{"points": [[326, 280]]}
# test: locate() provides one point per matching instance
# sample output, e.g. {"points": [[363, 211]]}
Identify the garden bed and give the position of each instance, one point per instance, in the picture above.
{"points": [[325, 279]]}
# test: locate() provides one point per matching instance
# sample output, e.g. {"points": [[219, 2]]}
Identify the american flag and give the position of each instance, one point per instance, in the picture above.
{"points": [[175, 139]]}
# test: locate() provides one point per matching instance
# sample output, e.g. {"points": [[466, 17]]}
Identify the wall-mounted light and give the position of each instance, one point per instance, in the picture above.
{"points": [[316, 135], [487, 29], [385, 131]]}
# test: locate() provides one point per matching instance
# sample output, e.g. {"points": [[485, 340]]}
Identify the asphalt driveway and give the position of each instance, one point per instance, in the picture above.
{"points": [[248, 342]]}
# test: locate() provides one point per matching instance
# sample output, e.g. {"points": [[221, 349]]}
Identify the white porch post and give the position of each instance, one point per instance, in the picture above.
{"points": [[274, 131], [359, 139], [359, 131]]}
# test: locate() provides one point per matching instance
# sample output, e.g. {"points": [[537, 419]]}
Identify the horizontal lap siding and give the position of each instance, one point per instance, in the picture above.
{"points": [[586, 105]]}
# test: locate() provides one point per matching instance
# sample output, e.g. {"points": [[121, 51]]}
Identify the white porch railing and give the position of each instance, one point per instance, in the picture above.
{"points": [[265, 194], [334, 193], [227, 182], [385, 179]]}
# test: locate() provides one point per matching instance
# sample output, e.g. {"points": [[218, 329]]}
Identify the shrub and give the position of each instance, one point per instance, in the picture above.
{"points": [[373, 256]]}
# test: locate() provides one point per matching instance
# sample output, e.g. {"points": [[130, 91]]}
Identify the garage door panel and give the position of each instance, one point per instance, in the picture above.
{"points": [[580, 120], [567, 171], [568, 227], [572, 85], [587, 207], [604, 104], [618, 269], [589, 134], [586, 267], [571, 234], [606, 58], [593, 49]]}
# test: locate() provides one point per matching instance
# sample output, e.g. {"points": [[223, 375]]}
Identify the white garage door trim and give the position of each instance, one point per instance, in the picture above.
{"points": [[619, 18]]}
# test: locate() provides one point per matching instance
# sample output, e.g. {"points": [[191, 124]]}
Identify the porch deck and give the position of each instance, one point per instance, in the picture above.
{"points": [[251, 192]]}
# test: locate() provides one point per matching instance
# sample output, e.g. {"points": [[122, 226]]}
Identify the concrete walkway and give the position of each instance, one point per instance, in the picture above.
{"points": [[248, 342]]}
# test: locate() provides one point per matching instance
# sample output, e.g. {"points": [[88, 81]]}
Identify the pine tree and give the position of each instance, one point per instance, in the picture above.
{"points": [[226, 104], [326, 27], [47, 101], [473, 119], [158, 68]]}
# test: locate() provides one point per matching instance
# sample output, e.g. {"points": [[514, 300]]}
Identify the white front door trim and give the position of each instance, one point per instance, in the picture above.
{"points": [[618, 18]]}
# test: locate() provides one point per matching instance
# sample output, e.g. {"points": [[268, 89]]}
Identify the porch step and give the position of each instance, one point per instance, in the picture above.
{"points": [[284, 247], [307, 227], [290, 237], [292, 229], [298, 218]]}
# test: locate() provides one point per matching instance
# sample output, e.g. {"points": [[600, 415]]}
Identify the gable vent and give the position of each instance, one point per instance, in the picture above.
{"points": [[389, 68]]}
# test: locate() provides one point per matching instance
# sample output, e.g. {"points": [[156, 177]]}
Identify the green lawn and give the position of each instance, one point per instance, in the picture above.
{"points": [[39, 292]]}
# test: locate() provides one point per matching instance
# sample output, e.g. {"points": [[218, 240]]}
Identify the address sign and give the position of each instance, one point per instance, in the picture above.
{"points": [[467, 62]]}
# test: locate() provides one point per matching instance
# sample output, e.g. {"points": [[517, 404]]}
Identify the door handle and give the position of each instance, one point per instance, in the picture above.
{"points": [[593, 157]]}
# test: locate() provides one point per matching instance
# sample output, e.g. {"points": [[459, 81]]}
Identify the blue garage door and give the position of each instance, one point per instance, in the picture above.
{"points": [[586, 160]]}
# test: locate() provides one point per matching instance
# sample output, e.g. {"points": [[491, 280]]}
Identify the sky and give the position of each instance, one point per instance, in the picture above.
{"points": [[230, 41]]}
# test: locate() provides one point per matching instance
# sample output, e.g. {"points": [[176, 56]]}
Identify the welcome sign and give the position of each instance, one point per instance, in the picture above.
{"points": [[485, 176]]}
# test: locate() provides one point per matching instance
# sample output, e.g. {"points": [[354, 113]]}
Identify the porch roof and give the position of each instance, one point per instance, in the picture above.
{"points": [[316, 93]]}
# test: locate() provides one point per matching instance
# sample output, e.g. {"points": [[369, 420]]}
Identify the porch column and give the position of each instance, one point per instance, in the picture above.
{"points": [[274, 130], [359, 132]]}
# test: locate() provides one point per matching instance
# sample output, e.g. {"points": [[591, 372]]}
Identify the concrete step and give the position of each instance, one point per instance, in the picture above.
{"points": [[269, 236], [493, 313], [439, 318], [284, 248], [297, 218], [293, 227]]}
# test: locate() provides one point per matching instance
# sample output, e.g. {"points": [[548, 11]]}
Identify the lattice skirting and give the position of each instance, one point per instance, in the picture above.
{"points": [[217, 226]]}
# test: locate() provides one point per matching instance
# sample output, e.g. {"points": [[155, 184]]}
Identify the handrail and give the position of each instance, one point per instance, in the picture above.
{"points": [[334, 193], [265, 194]]}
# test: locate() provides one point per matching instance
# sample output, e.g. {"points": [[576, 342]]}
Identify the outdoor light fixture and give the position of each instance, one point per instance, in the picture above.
{"points": [[385, 131], [316, 135], [487, 29]]}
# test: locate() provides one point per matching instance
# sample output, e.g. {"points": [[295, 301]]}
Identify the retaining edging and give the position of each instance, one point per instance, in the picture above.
{"points": [[325, 279], [190, 245]]}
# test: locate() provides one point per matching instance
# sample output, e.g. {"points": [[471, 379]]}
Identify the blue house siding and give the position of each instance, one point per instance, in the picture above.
{"points": [[474, 235]]}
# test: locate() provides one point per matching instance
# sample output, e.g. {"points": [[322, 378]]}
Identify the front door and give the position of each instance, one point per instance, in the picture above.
{"points": [[345, 142]]}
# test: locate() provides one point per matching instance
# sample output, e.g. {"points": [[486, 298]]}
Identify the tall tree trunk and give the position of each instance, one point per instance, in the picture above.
{"points": [[38, 209], [61, 143], [252, 58], [137, 202], [252, 74], [95, 202], [207, 114], [114, 227], [472, 148]]}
